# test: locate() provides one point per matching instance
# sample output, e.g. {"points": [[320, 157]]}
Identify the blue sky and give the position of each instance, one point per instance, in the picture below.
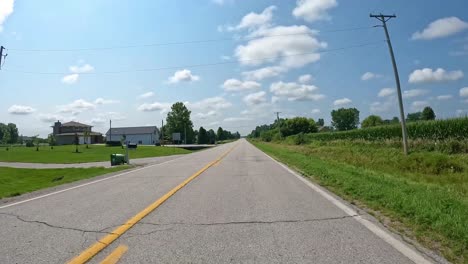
{"points": [[300, 58]]}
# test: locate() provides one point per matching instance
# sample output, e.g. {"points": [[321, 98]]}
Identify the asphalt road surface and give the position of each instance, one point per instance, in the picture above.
{"points": [[241, 208]]}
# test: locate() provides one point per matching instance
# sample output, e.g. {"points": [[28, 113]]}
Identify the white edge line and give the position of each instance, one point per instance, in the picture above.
{"points": [[384, 235], [86, 184]]}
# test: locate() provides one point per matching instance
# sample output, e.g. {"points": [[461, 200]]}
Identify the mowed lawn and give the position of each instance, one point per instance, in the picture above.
{"points": [[14, 182], [66, 154], [424, 195]]}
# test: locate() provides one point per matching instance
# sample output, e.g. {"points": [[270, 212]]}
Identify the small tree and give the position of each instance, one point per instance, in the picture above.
{"points": [[122, 140], [77, 142], [345, 118], [86, 138], [428, 114], [372, 121], [52, 141]]}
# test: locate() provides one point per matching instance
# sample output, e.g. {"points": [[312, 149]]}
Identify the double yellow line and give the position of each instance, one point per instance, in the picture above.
{"points": [[104, 242]]}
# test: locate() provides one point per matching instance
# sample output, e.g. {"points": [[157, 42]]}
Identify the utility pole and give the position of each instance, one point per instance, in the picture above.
{"points": [[384, 18], [278, 121], [2, 56]]}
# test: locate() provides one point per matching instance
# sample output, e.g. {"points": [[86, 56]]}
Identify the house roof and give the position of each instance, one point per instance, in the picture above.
{"points": [[74, 124], [79, 134], [133, 130]]}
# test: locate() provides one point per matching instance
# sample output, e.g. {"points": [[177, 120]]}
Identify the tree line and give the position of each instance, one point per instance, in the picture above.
{"points": [[178, 121], [9, 134], [343, 119]]}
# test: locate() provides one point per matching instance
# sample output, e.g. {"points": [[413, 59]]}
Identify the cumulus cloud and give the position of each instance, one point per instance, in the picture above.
{"points": [[102, 101], [234, 85], [386, 92], [183, 76], [444, 97], [428, 75], [264, 73], [21, 110], [419, 105], [383, 107], [76, 107], [295, 91], [341, 102], [440, 28], [313, 10], [254, 20], [293, 50], [306, 78], [6, 9], [370, 75], [414, 93], [71, 78], [146, 95], [255, 98], [156, 106], [207, 115], [464, 92], [81, 69], [213, 103]]}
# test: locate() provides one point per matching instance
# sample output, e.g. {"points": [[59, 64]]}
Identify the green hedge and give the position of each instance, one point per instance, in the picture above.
{"points": [[433, 130]]}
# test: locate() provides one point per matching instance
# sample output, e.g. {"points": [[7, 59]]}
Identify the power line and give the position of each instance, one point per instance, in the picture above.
{"points": [[187, 42], [202, 65]]}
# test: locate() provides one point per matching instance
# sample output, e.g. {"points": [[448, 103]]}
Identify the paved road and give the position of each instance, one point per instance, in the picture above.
{"points": [[106, 164], [244, 209]]}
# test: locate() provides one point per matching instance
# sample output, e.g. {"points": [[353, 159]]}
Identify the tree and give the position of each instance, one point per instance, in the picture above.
{"points": [[77, 142], [428, 114], [220, 134], [123, 138], [372, 121], [13, 133], [298, 125], [203, 137], [178, 121], [320, 122], [413, 117], [86, 138], [345, 118], [52, 141], [212, 136]]}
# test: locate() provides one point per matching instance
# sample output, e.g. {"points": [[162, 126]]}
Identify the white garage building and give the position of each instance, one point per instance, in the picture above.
{"points": [[145, 135]]}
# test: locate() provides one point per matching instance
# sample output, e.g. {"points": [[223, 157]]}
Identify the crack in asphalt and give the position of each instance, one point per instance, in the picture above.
{"points": [[252, 222]]}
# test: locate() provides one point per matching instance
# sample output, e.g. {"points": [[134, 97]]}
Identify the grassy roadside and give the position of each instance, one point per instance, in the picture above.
{"points": [[14, 182], [66, 154], [424, 195]]}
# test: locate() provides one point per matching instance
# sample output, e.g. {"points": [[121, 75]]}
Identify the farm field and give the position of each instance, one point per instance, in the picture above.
{"points": [[67, 154], [14, 182], [423, 195]]}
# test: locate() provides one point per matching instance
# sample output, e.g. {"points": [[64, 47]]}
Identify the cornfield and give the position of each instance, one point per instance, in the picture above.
{"points": [[431, 130]]}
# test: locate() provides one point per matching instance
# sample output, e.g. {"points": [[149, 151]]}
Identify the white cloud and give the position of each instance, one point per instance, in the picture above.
{"points": [[341, 102], [49, 118], [428, 75], [274, 99], [295, 92], [156, 106], [444, 97], [6, 9], [293, 50], [255, 98], [253, 20], [386, 92], [183, 76], [21, 110], [306, 78], [71, 78], [146, 95], [264, 73], [370, 75], [237, 119], [207, 115], [313, 10], [102, 101], [81, 69], [316, 111], [419, 105], [414, 93], [76, 107], [464, 92], [213, 103], [440, 28], [234, 85], [383, 107], [98, 121]]}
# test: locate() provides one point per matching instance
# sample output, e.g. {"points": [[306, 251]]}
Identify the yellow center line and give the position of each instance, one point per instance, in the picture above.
{"points": [[94, 249], [115, 255]]}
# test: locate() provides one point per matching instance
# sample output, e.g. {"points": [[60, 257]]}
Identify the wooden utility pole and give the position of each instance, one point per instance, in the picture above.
{"points": [[384, 18]]}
